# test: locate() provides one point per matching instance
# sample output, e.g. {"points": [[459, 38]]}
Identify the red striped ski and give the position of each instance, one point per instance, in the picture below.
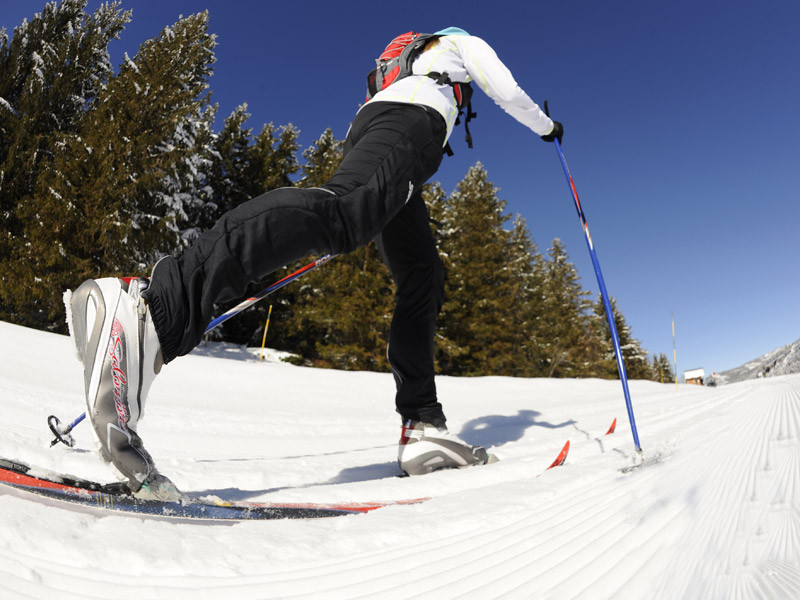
{"points": [[93, 497]]}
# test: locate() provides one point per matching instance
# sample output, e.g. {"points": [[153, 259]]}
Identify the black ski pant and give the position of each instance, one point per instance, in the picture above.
{"points": [[391, 150]]}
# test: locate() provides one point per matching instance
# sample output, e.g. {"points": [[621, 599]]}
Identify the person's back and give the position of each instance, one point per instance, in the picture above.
{"points": [[465, 58]]}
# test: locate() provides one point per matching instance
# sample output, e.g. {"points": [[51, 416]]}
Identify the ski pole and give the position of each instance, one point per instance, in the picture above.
{"points": [[62, 435], [267, 291], [603, 292]]}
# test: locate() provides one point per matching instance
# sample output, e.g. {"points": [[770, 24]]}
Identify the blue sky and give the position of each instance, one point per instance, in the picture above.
{"points": [[681, 125]]}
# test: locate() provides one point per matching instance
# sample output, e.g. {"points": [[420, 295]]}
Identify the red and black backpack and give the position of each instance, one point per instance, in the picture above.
{"points": [[395, 63]]}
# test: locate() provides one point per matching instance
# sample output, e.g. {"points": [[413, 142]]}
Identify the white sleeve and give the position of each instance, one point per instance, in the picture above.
{"points": [[497, 82]]}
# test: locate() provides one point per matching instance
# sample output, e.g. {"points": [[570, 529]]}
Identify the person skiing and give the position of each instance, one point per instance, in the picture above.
{"points": [[126, 329]]}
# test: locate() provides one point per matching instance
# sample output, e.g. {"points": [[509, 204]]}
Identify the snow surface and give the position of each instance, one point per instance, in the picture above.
{"points": [[714, 512]]}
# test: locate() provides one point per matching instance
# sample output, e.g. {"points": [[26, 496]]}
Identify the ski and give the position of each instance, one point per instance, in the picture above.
{"points": [[91, 496], [72, 491], [562, 456]]}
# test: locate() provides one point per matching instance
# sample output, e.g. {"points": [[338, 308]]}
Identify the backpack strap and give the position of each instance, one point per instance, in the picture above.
{"points": [[461, 90], [463, 95], [469, 116]]}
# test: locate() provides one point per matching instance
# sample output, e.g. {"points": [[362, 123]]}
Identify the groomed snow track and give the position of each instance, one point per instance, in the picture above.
{"points": [[714, 511]]}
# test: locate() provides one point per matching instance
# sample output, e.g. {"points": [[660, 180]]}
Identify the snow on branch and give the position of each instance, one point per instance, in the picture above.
{"points": [[130, 63], [4, 103]]}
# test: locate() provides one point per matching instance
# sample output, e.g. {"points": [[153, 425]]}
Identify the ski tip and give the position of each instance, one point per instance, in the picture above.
{"points": [[562, 456], [612, 428]]}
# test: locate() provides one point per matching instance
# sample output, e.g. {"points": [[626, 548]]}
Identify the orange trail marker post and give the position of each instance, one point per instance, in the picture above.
{"points": [[266, 327]]}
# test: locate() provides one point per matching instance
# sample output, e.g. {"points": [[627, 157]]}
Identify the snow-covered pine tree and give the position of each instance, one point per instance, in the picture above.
{"points": [[166, 85], [483, 315], [636, 364], [230, 173], [527, 265], [662, 369], [600, 356], [51, 69], [127, 183], [273, 158], [322, 158], [568, 340]]}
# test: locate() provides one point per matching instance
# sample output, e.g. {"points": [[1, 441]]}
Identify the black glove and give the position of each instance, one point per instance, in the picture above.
{"points": [[556, 134]]}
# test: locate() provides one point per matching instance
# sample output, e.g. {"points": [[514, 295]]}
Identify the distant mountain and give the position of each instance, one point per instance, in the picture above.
{"points": [[783, 361]]}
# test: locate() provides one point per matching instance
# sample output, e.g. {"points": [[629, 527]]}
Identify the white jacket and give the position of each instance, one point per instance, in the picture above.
{"points": [[465, 58]]}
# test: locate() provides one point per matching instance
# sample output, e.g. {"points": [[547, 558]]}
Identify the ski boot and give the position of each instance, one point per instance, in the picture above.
{"points": [[425, 448], [116, 342]]}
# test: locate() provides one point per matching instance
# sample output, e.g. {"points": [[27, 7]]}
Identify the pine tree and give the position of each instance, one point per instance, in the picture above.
{"points": [[52, 67], [230, 176], [662, 369], [167, 82], [322, 160], [636, 364], [527, 265], [128, 184], [603, 358], [568, 339], [480, 319], [51, 70], [274, 157]]}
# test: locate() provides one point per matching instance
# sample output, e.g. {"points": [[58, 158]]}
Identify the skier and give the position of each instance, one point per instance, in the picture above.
{"points": [[126, 329]]}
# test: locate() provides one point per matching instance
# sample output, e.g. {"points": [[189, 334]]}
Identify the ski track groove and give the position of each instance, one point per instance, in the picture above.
{"points": [[518, 542], [782, 579], [570, 549], [753, 530], [521, 548], [613, 574], [12, 572], [448, 548]]}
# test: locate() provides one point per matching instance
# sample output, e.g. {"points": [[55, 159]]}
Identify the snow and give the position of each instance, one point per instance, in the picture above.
{"points": [[714, 511], [130, 64], [4, 103]]}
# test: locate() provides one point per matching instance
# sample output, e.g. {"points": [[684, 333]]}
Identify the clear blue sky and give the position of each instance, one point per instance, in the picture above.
{"points": [[681, 123]]}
